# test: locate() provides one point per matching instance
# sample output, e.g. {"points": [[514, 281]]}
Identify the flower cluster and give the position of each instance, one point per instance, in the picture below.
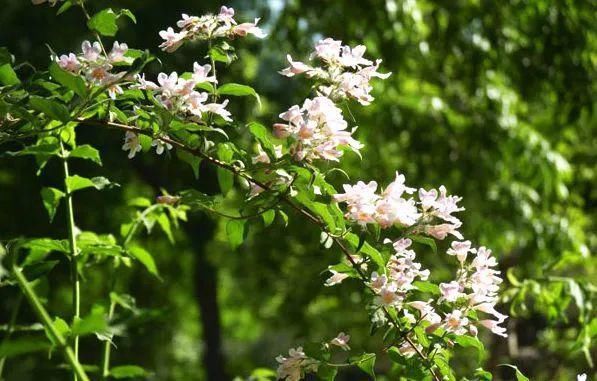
{"points": [[207, 27], [178, 95], [394, 206], [318, 130], [344, 72], [294, 367], [402, 271], [95, 64], [476, 286]]}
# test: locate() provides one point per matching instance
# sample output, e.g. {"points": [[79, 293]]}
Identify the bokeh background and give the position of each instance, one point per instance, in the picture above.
{"points": [[493, 99]]}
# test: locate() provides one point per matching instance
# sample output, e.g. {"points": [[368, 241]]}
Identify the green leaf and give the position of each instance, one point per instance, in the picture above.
{"points": [[128, 371], [471, 342], [68, 80], [425, 241], [23, 345], [235, 230], [225, 177], [8, 76], [77, 182], [38, 269], [51, 198], [144, 257], [65, 7], [86, 152], [47, 245], [365, 362], [52, 109], [238, 90], [192, 160], [104, 22], [263, 136], [519, 375], [219, 55], [92, 323], [44, 150], [129, 14], [268, 217], [164, 223], [263, 373], [366, 249], [327, 373], [5, 56], [62, 327], [425, 286]]}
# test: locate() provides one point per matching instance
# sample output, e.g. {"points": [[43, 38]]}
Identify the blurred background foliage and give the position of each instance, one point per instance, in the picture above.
{"points": [[492, 99]]}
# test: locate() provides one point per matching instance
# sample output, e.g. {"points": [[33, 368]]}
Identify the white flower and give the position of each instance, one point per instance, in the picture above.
{"points": [[294, 367], [581, 377], [328, 49], [200, 73], [341, 341], [172, 40], [296, 67], [118, 51], [427, 311], [248, 28], [219, 109], [450, 291], [441, 231], [494, 327], [160, 145], [91, 52], [456, 322], [144, 84], [353, 57], [335, 279], [226, 15], [186, 21], [69, 62], [131, 144], [460, 250]]}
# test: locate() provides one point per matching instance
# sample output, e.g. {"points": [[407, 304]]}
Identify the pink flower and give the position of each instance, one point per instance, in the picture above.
{"points": [[494, 327], [341, 341], [336, 278], [227, 15], [296, 67], [219, 109], [451, 291], [118, 51], [186, 21], [131, 144], [91, 52], [69, 62], [248, 28], [460, 250], [172, 40], [200, 73]]}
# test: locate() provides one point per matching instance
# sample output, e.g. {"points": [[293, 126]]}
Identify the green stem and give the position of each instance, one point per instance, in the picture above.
{"points": [[74, 252], [45, 319], [107, 347], [10, 329]]}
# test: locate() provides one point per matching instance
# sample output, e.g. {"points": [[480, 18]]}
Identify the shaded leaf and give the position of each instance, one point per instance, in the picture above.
{"points": [[51, 199], [86, 152], [235, 230], [50, 108], [68, 80]]}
